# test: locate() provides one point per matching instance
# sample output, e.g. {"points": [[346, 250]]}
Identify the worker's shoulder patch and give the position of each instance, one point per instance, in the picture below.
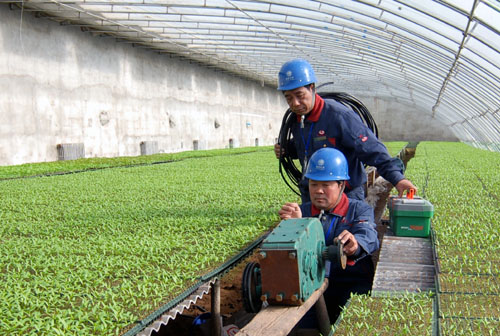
{"points": [[363, 137]]}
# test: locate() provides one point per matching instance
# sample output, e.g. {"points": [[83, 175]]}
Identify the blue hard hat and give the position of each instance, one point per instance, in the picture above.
{"points": [[327, 164], [294, 74]]}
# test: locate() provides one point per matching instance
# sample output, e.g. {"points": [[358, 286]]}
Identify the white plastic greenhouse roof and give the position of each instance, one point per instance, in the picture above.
{"points": [[442, 56]]}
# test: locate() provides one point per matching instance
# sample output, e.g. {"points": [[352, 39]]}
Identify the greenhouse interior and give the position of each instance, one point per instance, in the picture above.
{"points": [[158, 161]]}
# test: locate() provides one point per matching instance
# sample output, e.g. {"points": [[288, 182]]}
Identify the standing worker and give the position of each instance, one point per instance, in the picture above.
{"points": [[324, 123], [348, 220]]}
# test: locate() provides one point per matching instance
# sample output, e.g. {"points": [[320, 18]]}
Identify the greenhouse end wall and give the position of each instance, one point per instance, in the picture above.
{"points": [[400, 122], [62, 86]]}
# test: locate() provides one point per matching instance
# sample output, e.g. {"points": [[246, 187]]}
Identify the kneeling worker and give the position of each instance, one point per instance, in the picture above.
{"points": [[349, 220]]}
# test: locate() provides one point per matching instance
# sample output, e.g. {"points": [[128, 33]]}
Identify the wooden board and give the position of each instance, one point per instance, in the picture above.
{"points": [[405, 264], [280, 320]]}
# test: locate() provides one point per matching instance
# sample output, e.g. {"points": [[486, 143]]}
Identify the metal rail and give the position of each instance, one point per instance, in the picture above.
{"points": [[436, 325], [456, 61]]}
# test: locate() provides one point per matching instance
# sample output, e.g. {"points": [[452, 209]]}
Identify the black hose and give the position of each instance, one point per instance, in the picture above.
{"points": [[356, 105], [286, 164]]}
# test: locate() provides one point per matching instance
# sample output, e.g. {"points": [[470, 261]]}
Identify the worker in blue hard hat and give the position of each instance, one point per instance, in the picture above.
{"points": [[324, 123], [349, 220]]}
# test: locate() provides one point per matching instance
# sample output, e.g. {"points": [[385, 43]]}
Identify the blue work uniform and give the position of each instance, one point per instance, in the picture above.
{"points": [[356, 217], [332, 124]]}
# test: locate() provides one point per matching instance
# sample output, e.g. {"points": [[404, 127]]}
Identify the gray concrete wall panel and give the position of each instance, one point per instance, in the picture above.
{"points": [[60, 85], [400, 122]]}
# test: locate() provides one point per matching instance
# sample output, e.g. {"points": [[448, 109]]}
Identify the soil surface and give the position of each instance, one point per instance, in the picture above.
{"points": [[231, 306]]}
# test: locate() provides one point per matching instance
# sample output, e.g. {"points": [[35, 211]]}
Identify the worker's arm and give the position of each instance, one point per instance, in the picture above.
{"points": [[371, 150], [361, 225], [290, 210]]}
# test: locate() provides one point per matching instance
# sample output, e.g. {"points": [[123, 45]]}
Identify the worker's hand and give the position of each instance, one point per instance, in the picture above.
{"points": [[349, 241], [278, 151], [403, 185], [290, 210]]}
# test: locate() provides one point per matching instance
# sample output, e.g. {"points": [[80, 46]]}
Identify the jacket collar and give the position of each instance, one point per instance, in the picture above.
{"points": [[313, 116], [340, 210]]}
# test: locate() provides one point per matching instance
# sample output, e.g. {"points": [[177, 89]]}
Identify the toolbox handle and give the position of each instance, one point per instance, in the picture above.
{"points": [[410, 193]]}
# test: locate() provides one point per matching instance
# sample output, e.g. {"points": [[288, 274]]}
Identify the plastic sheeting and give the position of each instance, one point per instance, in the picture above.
{"points": [[442, 56]]}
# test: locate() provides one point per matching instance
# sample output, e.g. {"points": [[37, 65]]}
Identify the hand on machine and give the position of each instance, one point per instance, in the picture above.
{"points": [[292, 264]]}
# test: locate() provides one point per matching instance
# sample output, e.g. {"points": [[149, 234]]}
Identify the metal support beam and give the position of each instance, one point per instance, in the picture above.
{"points": [[455, 62], [216, 322], [322, 316]]}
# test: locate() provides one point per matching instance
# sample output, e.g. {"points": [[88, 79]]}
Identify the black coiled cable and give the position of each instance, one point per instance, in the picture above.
{"points": [[287, 165], [356, 105], [286, 162]]}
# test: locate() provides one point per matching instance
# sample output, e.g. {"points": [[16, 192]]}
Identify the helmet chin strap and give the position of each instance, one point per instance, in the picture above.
{"points": [[313, 91], [340, 196]]}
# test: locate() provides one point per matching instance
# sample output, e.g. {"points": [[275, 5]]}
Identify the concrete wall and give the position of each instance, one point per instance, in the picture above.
{"points": [[59, 85], [398, 122]]}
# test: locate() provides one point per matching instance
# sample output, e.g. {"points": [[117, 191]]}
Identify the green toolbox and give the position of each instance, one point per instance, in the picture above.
{"points": [[410, 217]]}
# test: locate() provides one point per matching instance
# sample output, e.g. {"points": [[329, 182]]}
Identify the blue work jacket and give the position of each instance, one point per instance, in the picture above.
{"points": [[332, 124], [356, 217]]}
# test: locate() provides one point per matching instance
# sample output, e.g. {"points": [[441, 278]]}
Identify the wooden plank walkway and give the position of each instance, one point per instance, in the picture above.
{"points": [[405, 264], [280, 320]]}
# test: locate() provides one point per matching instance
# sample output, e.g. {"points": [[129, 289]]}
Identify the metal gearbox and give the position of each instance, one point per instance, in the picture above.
{"points": [[291, 262]]}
